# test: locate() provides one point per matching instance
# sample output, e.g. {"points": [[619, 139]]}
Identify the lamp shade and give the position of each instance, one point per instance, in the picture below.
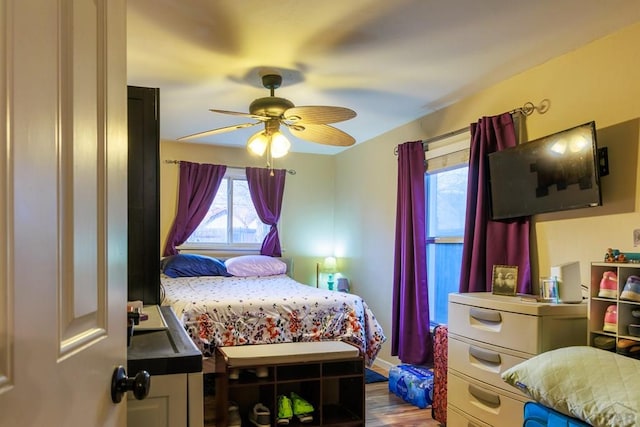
{"points": [[330, 265], [277, 144], [280, 145], [257, 144]]}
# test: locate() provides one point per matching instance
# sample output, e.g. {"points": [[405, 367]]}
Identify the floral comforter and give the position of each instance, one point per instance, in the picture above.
{"points": [[226, 311]]}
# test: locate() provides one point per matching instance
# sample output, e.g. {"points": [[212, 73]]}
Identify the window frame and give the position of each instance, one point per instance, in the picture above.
{"points": [[231, 175], [447, 152]]}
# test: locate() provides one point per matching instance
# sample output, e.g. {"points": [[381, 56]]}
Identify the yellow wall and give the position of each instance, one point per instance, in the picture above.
{"points": [[596, 82], [308, 198]]}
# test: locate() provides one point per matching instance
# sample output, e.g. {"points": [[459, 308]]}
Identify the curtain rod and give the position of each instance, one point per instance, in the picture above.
{"points": [[527, 109], [425, 142], [177, 162]]}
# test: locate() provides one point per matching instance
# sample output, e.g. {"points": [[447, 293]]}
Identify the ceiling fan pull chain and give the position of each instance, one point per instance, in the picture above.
{"points": [[269, 158]]}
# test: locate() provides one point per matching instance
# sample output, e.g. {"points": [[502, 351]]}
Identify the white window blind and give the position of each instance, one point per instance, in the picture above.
{"points": [[447, 152]]}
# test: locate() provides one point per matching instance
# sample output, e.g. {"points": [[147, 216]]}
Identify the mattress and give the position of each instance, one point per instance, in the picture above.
{"points": [[229, 311], [537, 415]]}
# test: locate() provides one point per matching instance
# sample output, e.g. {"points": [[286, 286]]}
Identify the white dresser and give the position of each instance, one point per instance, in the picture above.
{"points": [[491, 333]]}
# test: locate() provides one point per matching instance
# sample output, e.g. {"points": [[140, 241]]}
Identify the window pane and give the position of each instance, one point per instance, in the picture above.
{"points": [[446, 208], [213, 228], [446, 202], [232, 219], [443, 277], [247, 227]]}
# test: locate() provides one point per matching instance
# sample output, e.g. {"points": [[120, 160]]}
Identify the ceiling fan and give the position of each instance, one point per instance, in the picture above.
{"points": [[307, 122]]}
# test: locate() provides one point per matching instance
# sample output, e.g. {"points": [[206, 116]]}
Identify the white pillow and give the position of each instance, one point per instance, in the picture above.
{"points": [[596, 386], [255, 265]]}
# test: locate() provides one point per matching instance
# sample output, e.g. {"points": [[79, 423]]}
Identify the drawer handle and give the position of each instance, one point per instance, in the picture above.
{"points": [[485, 315], [486, 355], [489, 399]]}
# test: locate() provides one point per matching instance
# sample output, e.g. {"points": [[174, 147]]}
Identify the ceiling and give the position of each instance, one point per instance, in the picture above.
{"points": [[392, 62]]}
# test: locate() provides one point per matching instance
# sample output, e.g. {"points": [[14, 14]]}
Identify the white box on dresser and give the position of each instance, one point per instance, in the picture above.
{"points": [[491, 333]]}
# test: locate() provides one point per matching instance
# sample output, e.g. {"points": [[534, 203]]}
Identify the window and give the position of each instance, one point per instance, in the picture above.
{"points": [[232, 221], [446, 199]]}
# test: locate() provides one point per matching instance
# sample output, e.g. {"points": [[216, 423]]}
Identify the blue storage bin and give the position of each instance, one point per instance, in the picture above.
{"points": [[537, 415], [412, 383]]}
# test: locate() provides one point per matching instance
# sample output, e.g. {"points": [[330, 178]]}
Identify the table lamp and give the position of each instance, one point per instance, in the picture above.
{"points": [[330, 266]]}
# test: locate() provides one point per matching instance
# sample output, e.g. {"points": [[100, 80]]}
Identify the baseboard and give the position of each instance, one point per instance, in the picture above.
{"points": [[383, 364]]}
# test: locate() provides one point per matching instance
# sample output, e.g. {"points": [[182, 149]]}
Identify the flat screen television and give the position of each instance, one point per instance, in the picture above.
{"points": [[554, 173]]}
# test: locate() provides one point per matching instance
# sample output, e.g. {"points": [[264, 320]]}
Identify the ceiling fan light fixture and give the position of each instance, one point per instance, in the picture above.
{"points": [[305, 122], [257, 144], [280, 145]]}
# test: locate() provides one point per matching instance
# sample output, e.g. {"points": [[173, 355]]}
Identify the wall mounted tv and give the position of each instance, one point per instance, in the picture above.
{"points": [[554, 173]]}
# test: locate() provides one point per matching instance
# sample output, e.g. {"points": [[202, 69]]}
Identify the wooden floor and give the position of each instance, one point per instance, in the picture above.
{"points": [[384, 409]]}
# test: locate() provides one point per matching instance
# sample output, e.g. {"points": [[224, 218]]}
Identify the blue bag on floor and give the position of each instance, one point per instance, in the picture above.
{"points": [[412, 383]]}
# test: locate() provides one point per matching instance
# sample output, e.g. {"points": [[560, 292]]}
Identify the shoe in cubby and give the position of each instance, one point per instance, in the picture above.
{"points": [[631, 289], [608, 285], [611, 319], [234, 419], [260, 415], [604, 342], [285, 410], [234, 374], [302, 409]]}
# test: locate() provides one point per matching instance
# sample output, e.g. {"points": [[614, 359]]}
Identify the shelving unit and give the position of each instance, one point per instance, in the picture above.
{"points": [[598, 305], [332, 381]]}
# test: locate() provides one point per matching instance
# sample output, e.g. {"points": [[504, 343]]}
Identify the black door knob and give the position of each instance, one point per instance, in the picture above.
{"points": [[120, 384]]}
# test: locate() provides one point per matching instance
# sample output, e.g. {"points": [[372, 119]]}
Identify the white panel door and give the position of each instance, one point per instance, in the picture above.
{"points": [[63, 211]]}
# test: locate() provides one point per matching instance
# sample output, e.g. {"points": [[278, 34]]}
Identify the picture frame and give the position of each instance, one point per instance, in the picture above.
{"points": [[549, 289], [504, 280]]}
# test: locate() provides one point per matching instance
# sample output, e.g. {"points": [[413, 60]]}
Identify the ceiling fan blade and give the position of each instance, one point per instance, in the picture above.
{"points": [[236, 113], [218, 130], [322, 134], [318, 115]]}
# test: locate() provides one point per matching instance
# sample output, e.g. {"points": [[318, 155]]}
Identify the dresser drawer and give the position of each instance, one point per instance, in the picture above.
{"points": [[516, 331], [457, 418], [481, 361], [484, 402]]}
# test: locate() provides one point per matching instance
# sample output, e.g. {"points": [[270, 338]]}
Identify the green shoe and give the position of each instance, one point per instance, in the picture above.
{"points": [[285, 412], [302, 409]]}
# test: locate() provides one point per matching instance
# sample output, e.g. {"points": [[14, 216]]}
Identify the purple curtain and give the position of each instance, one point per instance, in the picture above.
{"points": [[486, 242], [198, 186], [266, 187], [411, 340]]}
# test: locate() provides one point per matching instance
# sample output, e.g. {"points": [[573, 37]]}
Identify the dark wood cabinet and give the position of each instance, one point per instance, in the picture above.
{"points": [[144, 195], [175, 366]]}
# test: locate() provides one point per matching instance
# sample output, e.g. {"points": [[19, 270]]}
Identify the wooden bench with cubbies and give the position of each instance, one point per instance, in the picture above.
{"points": [[329, 375]]}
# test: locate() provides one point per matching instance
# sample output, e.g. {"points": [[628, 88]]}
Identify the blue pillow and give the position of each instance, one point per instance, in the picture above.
{"points": [[188, 265]]}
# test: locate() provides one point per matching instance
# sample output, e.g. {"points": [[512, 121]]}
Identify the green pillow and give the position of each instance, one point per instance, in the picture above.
{"points": [[599, 387]]}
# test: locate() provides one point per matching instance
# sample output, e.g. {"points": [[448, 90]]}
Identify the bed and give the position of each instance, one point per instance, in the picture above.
{"points": [[578, 386], [251, 300]]}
